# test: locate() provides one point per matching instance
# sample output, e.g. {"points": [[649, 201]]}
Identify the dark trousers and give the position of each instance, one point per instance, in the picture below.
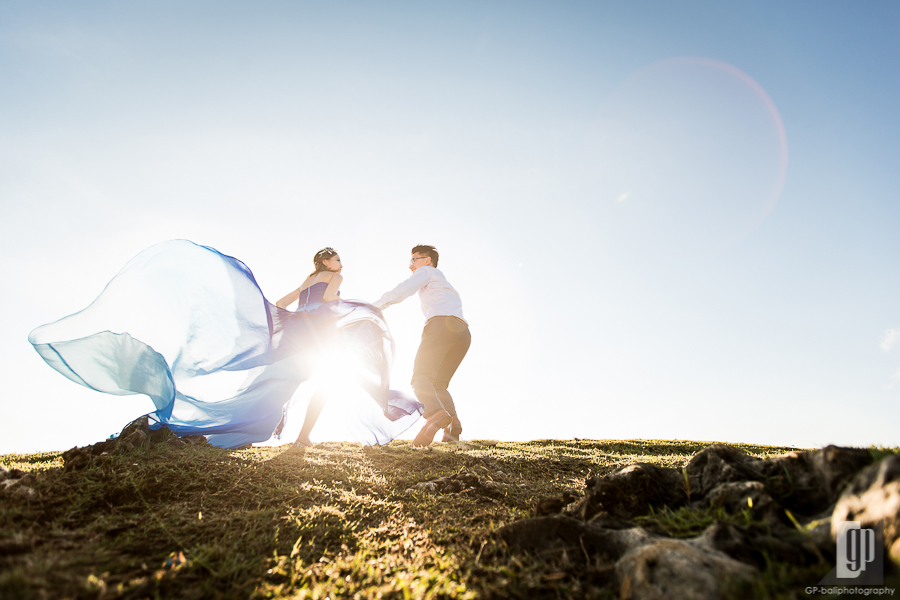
{"points": [[445, 342]]}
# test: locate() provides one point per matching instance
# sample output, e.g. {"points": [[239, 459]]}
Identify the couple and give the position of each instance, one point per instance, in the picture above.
{"points": [[445, 340], [190, 328]]}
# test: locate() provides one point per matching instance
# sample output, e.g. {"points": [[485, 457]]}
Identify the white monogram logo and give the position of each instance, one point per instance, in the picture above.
{"points": [[855, 549]]}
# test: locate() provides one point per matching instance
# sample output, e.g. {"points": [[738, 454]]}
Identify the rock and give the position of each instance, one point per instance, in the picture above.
{"points": [[100, 447], [426, 486], [608, 521], [19, 487], [76, 458], [491, 489], [738, 496], [782, 545], [555, 504], [4, 473], [731, 541], [138, 438], [674, 569], [559, 535], [141, 424], [809, 482], [872, 497], [175, 442], [630, 492], [718, 464]]}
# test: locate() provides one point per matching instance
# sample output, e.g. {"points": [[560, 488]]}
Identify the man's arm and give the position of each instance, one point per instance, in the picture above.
{"points": [[403, 291]]}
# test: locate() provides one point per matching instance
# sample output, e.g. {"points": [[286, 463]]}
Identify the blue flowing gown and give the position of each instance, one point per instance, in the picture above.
{"points": [[190, 328]]}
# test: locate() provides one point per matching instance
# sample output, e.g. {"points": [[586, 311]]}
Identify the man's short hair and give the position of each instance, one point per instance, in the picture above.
{"points": [[429, 251]]}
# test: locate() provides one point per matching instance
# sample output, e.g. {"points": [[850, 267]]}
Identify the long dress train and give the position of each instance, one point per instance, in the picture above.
{"points": [[190, 328]]}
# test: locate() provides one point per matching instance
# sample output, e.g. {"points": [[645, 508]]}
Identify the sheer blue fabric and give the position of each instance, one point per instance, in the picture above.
{"points": [[190, 328]]}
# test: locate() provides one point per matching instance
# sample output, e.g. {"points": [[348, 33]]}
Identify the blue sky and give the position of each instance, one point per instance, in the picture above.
{"points": [[666, 220]]}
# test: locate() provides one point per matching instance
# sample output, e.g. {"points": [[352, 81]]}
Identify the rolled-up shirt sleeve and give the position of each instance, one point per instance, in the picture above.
{"points": [[404, 290]]}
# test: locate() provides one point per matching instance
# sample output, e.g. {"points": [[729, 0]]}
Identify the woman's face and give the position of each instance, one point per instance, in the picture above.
{"points": [[333, 263]]}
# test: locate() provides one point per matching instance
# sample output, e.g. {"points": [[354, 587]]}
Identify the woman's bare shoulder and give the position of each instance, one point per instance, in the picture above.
{"points": [[329, 276], [311, 280]]}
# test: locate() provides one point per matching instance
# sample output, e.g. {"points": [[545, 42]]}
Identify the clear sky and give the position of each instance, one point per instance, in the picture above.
{"points": [[666, 220]]}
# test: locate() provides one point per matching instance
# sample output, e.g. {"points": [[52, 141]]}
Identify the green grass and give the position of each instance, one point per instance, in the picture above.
{"points": [[336, 521]]}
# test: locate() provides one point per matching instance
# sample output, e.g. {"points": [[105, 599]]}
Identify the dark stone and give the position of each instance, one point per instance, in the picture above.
{"points": [[76, 458], [137, 438], [738, 496], [161, 435], [730, 540], [669, 569], [556, 535], [175, 442], [782, 545], [141, 424], [718, 464], [554, 504], [101, 447], [630, 492], [609, 521], [808, 482]]}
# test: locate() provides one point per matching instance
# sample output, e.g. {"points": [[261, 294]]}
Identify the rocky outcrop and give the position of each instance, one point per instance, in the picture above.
{"points": [[135, 436], [774, 497]]}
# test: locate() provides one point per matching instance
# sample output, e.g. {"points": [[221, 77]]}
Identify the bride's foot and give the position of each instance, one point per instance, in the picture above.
{"points": [[302, 442]]}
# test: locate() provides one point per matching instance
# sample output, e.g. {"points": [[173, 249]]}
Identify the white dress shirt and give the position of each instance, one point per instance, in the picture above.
{"points": [[438, 297]]}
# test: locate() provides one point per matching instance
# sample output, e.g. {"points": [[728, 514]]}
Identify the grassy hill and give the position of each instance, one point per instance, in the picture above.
{"points": [[338, 520]]}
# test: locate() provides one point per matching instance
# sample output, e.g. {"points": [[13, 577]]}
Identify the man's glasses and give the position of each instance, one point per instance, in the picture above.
{"points": [[413, 260]]}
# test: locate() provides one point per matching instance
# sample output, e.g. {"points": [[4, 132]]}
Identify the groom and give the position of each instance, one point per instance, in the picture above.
{"points": [[445, 341]]}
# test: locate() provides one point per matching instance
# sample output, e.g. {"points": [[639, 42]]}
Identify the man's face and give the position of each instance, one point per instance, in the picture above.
{"points": [[418, 260]]}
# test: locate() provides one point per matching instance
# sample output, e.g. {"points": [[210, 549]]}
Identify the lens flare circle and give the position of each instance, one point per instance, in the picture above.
{"points": [[693, 156]]}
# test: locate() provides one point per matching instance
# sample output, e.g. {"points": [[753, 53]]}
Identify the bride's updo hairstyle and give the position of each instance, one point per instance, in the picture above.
{"points": [[427, 250], [320, 258]]}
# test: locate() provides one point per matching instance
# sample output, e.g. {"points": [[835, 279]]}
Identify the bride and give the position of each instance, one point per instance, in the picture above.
{"points": [[189, 327]]}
